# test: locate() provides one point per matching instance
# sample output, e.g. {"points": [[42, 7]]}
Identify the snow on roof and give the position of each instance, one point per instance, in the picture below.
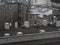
{"points": [[39, 2], [42, 12]]}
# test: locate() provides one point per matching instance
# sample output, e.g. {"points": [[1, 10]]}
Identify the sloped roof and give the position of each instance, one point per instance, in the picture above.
{"points": [[41, 12]]}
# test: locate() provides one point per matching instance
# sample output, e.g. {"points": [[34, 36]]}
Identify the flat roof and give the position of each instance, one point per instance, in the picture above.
{"points": [[28, 30]]}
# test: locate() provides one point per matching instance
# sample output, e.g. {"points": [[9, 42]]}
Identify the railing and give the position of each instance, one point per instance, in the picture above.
{"points": [[29, 37]]}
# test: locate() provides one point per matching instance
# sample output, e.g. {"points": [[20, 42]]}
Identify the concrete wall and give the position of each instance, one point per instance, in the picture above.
{"points": [[30, 37]]}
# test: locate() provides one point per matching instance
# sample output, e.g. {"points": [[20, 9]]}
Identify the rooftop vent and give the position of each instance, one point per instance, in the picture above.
{"points": [[6, 34], [19, 33], [41, 31]]}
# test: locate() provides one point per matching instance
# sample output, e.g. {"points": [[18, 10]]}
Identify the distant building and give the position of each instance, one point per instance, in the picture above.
{"points": [[15, 1]]}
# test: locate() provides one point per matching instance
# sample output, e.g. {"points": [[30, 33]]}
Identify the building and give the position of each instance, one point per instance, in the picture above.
{"points": [[39, 8], [16, 12]]}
